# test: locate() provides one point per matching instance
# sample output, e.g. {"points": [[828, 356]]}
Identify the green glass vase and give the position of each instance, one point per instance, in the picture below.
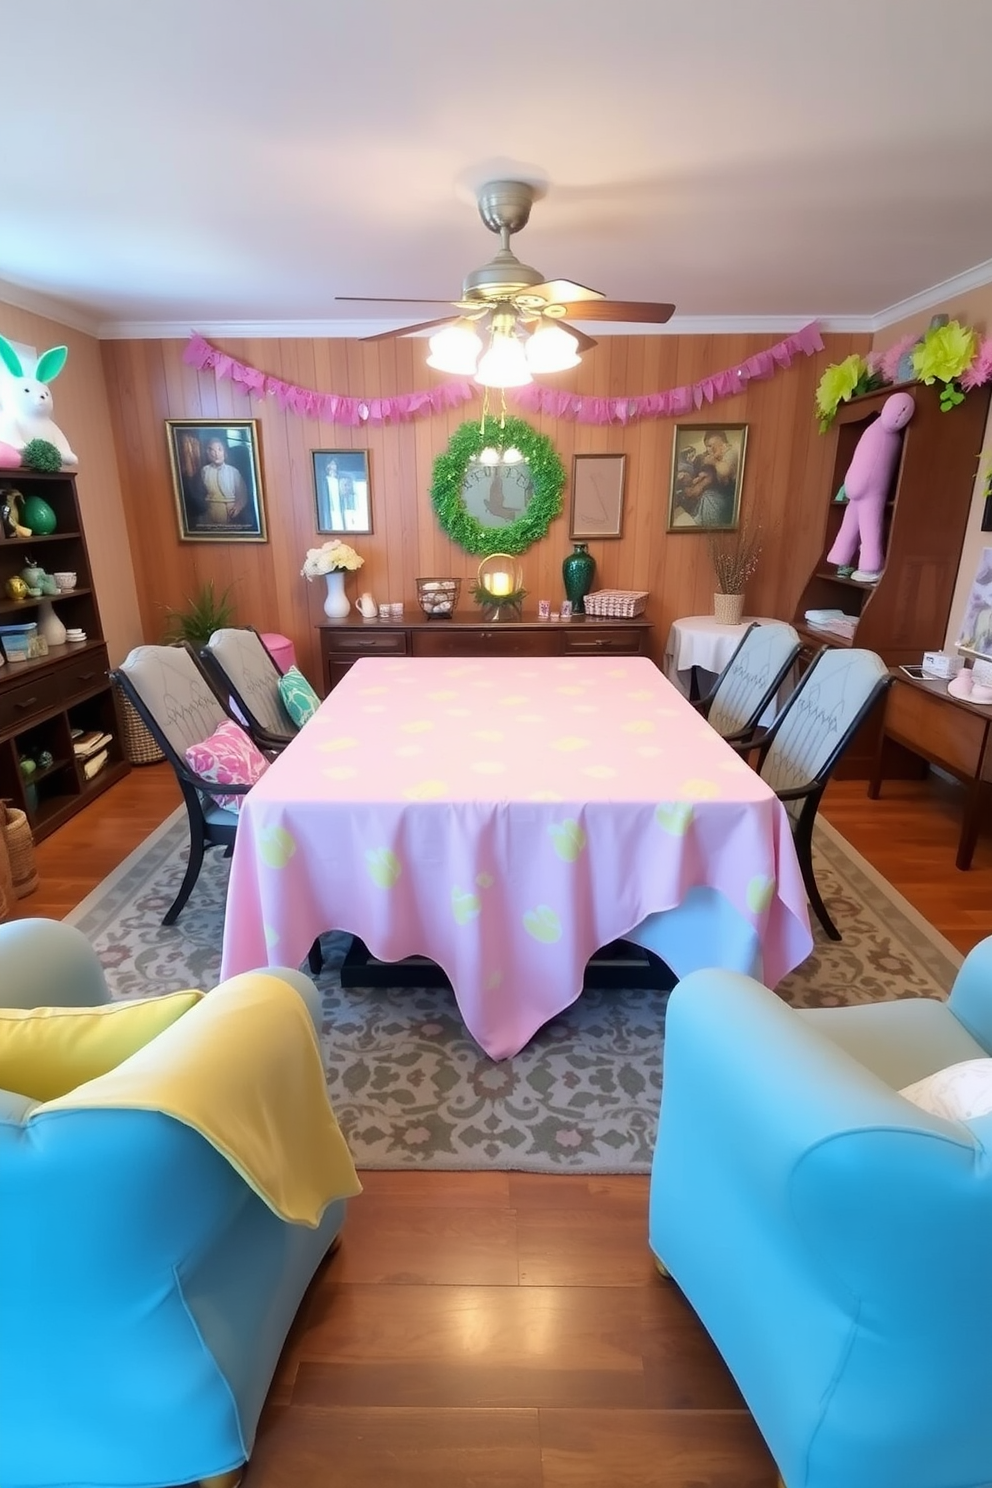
{"points": [[577, 573]]}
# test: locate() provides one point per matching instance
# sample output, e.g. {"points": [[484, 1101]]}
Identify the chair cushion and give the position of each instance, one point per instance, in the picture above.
{"points": [[227, 757], [299, 697], [46, 1052], [958, 1092]]}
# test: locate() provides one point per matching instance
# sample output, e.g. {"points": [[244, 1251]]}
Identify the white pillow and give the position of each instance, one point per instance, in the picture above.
{"points": [[958, 1092]]}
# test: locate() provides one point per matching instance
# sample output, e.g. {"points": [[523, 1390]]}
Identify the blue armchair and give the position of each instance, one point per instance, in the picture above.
{"points": [[834, 1238], [148, 1271]]}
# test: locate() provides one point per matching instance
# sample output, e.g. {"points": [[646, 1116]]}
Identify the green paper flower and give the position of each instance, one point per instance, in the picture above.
{"points": [[944, 353], [547, 475], [837, 385]]}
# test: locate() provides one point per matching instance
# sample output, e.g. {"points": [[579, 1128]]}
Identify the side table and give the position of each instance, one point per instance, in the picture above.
{"points": [[697, 650], [922, 717]]}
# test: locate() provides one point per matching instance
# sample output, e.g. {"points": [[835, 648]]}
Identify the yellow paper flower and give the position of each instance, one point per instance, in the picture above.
{"points": [[837, 385], [945, 352]]}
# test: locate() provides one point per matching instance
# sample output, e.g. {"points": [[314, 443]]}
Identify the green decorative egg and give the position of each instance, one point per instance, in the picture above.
{"points": [[38, 515]]}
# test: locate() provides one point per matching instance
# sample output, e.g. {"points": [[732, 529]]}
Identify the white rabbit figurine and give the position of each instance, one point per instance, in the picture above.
{"points": [[26, 402]]}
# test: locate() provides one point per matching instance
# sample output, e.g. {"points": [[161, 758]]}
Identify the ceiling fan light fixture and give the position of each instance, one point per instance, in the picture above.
{"points": [[455, 349], [489, 456], [504, 364], [551, 349], [512, 456]]}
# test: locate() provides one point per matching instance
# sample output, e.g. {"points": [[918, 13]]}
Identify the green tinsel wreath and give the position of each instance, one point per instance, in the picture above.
{"points": [[547, 474]]}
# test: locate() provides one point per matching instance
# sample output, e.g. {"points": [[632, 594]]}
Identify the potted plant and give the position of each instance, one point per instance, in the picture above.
{"points": [[734, 556], [204, 613]]}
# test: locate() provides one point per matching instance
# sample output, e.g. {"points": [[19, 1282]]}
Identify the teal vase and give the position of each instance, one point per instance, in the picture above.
{"points": [[577, 572]]}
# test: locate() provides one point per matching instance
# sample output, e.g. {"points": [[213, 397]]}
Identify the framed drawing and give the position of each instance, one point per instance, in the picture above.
{"points": [[342, 491], [216, 479], [597, 495], [976, 626], [707, 474]]}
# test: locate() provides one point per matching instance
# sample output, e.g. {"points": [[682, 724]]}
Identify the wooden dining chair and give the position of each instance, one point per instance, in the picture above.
{"points": [[243, 671], [798, 754], [751, 679]]}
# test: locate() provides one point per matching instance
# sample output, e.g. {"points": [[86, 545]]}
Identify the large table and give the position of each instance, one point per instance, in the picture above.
{"points": [[506, 818]]}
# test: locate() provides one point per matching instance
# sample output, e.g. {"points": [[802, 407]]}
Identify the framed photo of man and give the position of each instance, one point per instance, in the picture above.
{"points": [[707, 475], [342, 490], [216, 479]]}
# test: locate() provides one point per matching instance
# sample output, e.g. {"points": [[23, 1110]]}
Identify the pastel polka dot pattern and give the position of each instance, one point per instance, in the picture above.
{"points": [[505, 817]]}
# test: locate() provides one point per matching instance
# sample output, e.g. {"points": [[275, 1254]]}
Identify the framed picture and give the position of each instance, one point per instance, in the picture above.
{"points": [[342, 490], [216, 479], [707, 474], [597, 495], [976, 626]]}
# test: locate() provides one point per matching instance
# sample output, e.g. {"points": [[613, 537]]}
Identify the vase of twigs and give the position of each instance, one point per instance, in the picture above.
{"points": [[734, 556]]}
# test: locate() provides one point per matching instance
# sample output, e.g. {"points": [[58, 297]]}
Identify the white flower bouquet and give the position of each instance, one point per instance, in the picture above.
{"points": [[332, 555]]}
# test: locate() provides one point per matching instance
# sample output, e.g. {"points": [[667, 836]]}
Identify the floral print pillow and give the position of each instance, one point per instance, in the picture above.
{"points": [[228, 757]]}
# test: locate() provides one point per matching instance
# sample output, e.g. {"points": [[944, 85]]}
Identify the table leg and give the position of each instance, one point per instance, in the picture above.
{"points": [[970, 822]]}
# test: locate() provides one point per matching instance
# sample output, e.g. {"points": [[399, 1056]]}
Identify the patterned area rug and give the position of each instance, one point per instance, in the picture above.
{"points": [[410, 1086]]}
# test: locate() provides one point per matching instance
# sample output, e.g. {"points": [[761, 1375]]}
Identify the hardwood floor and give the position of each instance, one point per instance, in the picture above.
{"points": [[501, 1330]]}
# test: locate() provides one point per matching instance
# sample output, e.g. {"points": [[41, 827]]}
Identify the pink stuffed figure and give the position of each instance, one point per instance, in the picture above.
{"points": [[866, 484]]}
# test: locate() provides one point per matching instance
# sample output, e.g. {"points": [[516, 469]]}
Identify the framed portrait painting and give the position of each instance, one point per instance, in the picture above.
{"points": [[216, 479], [707, 475], [342, 490], [597, 495]]}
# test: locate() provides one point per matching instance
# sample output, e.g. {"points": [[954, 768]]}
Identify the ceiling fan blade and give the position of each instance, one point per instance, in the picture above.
{"points": [[586, 343], [388, 300], [424, 325], [644, 312], [563, 292]]}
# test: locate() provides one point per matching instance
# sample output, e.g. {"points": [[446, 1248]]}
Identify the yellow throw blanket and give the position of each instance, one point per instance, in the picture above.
{"points": [[243, 1068]]}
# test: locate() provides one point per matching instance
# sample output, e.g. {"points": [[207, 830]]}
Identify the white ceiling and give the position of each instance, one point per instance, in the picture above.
{"points": [[222, 164]]}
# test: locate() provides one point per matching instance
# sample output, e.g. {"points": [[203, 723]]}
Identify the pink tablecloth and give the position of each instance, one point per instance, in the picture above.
{"points": [[506, 818]]}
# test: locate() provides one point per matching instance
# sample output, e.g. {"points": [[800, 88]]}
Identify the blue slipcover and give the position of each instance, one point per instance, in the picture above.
{"points": [[145, 1290], [834, 1238]]}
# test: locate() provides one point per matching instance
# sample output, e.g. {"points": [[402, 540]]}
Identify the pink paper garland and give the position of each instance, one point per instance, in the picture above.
{"points": [[336, 408]]}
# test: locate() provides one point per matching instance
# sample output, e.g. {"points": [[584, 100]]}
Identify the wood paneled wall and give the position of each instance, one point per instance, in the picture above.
{"points": [[784, 477]]}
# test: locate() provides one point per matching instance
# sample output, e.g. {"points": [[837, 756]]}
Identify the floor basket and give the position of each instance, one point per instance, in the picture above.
{"points": [[20, 850], [139, 745], [7, 895]]}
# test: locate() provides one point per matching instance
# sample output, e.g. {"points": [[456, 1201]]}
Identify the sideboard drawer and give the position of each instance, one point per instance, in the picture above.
{"points": [[22, 704], [85, 674], [446, 641], [612, 642], [355, 643]]}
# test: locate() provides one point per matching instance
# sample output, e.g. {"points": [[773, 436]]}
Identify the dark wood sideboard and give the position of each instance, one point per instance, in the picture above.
{"points": [[343, 642]]}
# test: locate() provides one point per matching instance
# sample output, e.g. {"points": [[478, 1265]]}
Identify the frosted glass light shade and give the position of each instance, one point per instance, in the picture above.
{"points": [[455, 349], [504, 364], [550, 349]]}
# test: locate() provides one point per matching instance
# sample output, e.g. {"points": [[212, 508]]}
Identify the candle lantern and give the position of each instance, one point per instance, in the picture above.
{"points": [[499, 589]]}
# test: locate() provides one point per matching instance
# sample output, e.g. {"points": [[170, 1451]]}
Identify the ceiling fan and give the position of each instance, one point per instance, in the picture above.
{"points": [[525, 318]]}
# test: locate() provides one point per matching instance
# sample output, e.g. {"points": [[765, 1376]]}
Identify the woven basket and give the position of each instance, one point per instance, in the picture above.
{"points": [[728, 608], [7, 894], [139, 745], [622, 604], [20, 850]]}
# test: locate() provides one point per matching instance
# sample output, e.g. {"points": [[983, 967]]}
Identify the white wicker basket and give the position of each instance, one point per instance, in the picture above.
{"points": [[621, 604]]}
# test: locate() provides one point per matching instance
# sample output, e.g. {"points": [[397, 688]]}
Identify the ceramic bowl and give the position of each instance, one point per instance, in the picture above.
{"points": [[65, 580]]}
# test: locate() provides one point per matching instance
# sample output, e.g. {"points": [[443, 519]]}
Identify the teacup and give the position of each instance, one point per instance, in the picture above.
{"points": [[65, 580]]}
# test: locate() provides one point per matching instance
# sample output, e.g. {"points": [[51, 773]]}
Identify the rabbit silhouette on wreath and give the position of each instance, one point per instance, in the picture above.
{"points": [[26, 401]]}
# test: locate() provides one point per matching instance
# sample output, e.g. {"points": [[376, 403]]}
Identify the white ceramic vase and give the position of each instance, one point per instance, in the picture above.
{"points": [[49, 624], [337, 604]]}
